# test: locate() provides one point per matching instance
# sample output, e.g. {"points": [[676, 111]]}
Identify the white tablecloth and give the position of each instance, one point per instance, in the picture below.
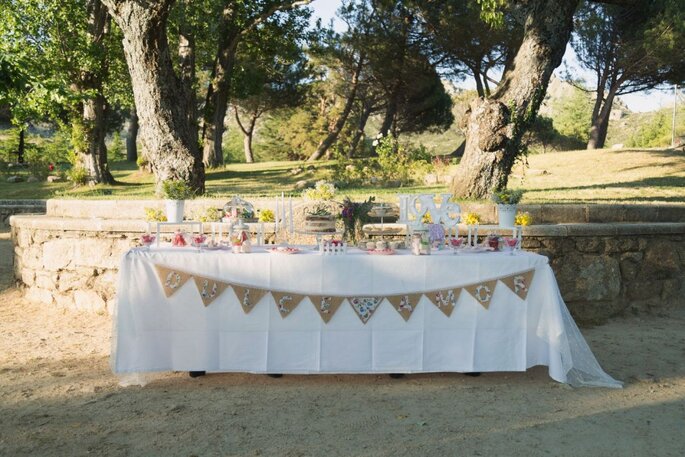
{"points": [[156, 333]]}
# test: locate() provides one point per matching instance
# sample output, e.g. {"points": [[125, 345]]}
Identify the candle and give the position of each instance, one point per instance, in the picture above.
{"points": [[292, 224], [276, 216], [283, 208]]}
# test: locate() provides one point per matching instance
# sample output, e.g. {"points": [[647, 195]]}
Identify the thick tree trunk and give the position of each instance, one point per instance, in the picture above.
{"points": [[216, 103], [21, 147], [186, 57], [600, 126], [162, 102], [94, 154], [327, 142], [91, 150], [132, 137], [495, 126]]}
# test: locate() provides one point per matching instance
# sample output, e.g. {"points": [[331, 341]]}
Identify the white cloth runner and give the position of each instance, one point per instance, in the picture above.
{"points": [[154, 333]]}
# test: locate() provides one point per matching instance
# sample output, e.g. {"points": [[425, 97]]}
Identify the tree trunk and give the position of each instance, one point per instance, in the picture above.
{"points": [[93, 156], [216, 103], [186, 57], [91, 149], [495, 126], [363, 119], [21, 148], [601, 84], [162, 102], [340, 123], [600, 126], [132, 137], [248, 133]]}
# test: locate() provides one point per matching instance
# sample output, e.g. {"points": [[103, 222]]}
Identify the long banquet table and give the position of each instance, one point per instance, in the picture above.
{"points": [[156, 333]]}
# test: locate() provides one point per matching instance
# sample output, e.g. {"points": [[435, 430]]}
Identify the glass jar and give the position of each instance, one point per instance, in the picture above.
{"points": [[240, 235]]}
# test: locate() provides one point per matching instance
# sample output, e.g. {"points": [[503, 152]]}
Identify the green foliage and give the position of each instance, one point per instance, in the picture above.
{"points": [[78, 175], [655, 132], [320, 210], [507, 196], [117, 148], [176, 189], [572, 116], [354, 215]]}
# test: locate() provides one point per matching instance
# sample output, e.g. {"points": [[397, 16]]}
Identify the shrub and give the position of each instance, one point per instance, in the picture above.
{"points": [[176, 189], [78, 175]]}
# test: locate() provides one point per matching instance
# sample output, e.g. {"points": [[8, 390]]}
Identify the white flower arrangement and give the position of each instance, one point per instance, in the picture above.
{"points": [[323, 190]]}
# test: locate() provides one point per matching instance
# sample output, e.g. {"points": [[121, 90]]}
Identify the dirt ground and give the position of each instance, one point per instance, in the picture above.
{"points": [[59, 398]]}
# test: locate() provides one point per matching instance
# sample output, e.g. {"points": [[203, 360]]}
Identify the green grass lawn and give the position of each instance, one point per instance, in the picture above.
{"points": [[604, 176]]}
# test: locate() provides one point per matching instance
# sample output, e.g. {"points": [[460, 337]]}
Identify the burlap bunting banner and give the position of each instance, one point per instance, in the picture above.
{"points": [[445, 300], [286, 302], [248, 296], [365, 306], [482, 292], [326, 306], [209, 289], [519, 283], [171, 279], [405, 304]]}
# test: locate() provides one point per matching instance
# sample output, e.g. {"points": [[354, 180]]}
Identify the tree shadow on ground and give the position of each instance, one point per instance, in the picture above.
{"points": [[661, 181]]}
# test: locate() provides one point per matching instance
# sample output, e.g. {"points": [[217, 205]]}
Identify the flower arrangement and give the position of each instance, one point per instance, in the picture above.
{"points": [[320, 210], [427, 218], [471, 219], [154, 215], [176, 189], [209, 215], [523, 218], [354, 215], [507, 196], [266, 215], [323, 190]]}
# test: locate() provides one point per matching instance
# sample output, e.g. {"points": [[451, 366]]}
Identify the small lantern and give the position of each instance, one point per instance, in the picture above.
{"points": [[240, 238]]}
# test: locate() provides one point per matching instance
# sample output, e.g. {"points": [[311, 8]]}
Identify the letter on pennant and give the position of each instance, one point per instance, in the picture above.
{"points": [[209, 289], [520, 283], [404, 304], [171, 279], [248, 296], [482, 292], [326, 306]]}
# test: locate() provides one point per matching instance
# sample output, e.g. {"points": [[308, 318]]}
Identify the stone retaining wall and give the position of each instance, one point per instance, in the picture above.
{"points": [[11, 207], [603, 270]]}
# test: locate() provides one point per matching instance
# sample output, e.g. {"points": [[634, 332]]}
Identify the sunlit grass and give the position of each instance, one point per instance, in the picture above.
{"points": [[604, 176]]}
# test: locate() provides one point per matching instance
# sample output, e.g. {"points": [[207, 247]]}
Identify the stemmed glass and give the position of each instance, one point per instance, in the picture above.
{"points": [[511, 244]]}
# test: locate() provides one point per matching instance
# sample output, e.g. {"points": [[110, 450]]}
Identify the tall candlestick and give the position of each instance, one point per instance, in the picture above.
{"points": [[292, 223], [277, 215]]}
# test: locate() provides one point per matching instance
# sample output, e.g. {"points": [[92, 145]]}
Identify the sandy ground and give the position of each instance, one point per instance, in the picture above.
{"points": [[59, 398]]}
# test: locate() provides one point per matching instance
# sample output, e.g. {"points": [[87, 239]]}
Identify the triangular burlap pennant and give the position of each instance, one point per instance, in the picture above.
{"points": [[209, 289], [365, 306], [248, 296], [404, 304], [482, 292], [445, 300], [286, 302], [326, 306], [171, 279], [519, 283]]}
